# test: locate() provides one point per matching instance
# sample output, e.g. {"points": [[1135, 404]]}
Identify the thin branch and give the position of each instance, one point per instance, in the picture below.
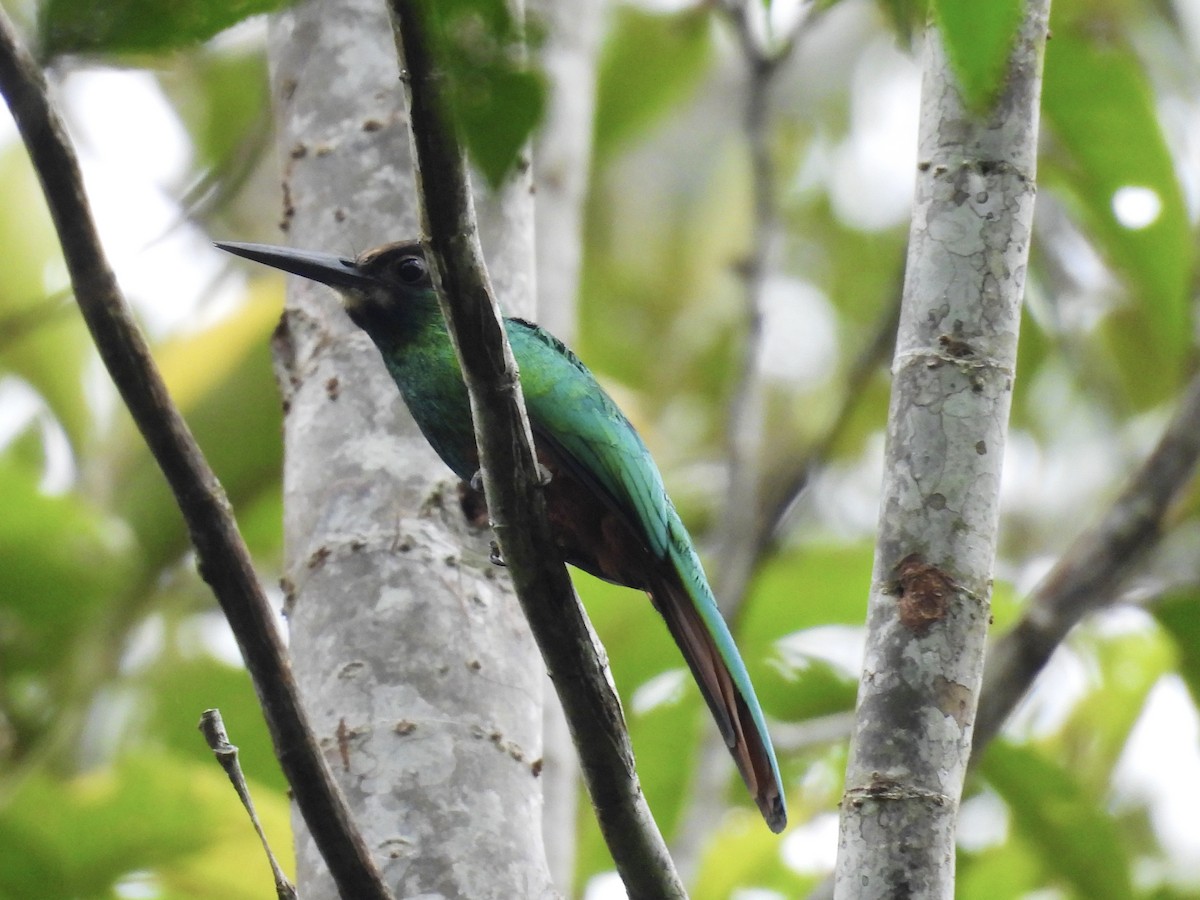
{"points": [[774, 509], [1090, 575], [212, 726], [736, 551], [512, 481], [222, 557]]}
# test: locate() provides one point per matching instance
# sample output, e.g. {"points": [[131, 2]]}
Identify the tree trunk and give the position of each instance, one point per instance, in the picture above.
{"points": [[954, 366], [410, 650]]}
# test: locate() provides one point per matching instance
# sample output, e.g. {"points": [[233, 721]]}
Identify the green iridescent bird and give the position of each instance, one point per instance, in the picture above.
{"points": [[605, 499]]}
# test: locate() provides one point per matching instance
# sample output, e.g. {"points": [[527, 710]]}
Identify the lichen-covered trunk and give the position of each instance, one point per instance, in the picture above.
{"points": [[409, 647], [953, 376]]}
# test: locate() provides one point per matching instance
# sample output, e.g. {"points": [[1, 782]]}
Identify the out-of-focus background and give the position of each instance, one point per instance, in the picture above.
{"points": [[110, 646]]}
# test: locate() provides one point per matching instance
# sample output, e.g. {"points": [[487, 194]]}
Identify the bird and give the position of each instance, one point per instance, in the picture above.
{"points": [[605, 498]]}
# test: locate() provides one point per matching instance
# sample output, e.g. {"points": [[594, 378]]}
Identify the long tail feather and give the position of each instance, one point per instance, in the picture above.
{"points": [[740, 725]]}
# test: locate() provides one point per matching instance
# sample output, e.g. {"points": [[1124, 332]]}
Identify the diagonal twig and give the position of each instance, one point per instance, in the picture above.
{"points": [[212, 726], [1090, 575]]}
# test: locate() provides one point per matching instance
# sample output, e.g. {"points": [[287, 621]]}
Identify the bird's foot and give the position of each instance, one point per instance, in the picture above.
{"points": [[545, 476], [496, 558]]}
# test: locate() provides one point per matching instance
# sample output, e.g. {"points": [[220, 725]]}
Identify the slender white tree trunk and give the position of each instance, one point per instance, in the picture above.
{"points": [[409, 647], [931, 586]]}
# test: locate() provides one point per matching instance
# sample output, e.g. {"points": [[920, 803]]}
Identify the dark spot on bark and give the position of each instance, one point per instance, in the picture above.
{"points": [[925, 593], [955, 347], [289, 595], [474, 665], [299, 151], [343, 743], [318, 557], [404, 727], [333, 388], [937, 501], [535, 767], [371, 125], [339, 215], [981, 448]]}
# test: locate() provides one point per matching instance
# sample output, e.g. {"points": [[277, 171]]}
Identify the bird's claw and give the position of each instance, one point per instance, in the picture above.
{"points": [[496, 558], [545, 476]]}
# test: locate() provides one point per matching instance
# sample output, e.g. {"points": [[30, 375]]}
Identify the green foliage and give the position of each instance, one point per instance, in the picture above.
{"points": [[222, 380], [139, 26], [907, 17], [1109, 140], [178, 822], [650, 65], [978, 38], [1179, 614], [41, 340], [1071, 835], [496, 97]]}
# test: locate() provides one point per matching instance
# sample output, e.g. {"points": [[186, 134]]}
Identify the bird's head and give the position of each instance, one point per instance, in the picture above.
{"points": [[380, 289]]}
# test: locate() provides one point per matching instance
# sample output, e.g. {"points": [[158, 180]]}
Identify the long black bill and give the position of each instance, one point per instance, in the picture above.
{"points": [[335, 271]]}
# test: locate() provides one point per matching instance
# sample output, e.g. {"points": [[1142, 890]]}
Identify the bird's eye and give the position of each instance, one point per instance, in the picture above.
{"points": [[412, 270]]}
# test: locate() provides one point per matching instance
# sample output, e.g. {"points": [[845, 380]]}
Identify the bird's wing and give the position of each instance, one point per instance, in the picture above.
{"points": [[568, 408]]}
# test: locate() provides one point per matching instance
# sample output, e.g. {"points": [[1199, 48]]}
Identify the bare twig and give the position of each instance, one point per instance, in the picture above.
{"points": [[222, 557], [736, 552], [1091, 574], [213, 729], [512, 481]]}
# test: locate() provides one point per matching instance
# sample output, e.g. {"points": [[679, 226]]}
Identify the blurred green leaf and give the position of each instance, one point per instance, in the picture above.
{"points": [[42, 338], [1009, 870], [496, 97], [223, 382], [1179, 614], [1077, 841], [649, 65], [906, 17], [806, 587], [139, 26], [742, 856], [220, 96], [83, 834], [63, 560], [180, 823], [1107, 147], [978, 38], [1094, 735]]}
